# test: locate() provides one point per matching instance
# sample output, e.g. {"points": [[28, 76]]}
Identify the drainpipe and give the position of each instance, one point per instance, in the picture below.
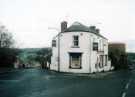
{"points": [[90, 54], [59, 52]]}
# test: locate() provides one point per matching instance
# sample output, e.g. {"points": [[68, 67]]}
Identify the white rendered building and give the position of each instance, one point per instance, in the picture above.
{"points": [[79, 49]]}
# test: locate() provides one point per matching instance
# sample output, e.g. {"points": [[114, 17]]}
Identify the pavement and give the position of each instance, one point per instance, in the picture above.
{"points": [[44, 83]]}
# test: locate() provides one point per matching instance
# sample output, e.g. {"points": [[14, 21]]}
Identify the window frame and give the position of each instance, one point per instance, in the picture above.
{"points": [[76, 41], [97, 46], [79, 59], [53, 43]]}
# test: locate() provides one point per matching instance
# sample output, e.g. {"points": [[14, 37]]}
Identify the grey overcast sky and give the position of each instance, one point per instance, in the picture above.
{"points": [[29, 20]]}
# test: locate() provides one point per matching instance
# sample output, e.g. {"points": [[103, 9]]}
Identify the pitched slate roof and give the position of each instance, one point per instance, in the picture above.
{"points": [[78, 27]]}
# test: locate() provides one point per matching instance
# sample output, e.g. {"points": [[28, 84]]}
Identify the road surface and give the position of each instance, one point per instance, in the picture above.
{"points": [[43, 83]]}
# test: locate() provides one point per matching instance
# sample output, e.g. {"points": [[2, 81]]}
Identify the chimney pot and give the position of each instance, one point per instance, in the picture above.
{"points": [[97, 31], [92, 29], [63, 26]]}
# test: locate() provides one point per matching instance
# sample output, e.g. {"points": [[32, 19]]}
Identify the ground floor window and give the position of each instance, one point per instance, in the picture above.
{"points": [[75, 60]]}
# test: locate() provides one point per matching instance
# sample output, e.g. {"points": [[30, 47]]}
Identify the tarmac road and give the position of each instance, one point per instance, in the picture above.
{"points": [[43, 83]]}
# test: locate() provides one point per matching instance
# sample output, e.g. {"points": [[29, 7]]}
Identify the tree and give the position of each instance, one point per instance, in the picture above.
{"points": [[6, 38], [44, 56], [8, 54], [118, 58]]}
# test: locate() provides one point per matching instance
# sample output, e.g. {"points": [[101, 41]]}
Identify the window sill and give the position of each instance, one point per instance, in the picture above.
{"points": [[75, 47], [100, 51], [75, 67]]}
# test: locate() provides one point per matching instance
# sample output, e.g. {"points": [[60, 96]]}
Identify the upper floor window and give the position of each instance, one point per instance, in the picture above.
{"points": [[95, 46], [76, 41], [53, 43]]}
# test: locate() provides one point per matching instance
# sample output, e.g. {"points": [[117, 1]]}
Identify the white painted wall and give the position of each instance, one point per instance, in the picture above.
{"points": [[89, 57]]}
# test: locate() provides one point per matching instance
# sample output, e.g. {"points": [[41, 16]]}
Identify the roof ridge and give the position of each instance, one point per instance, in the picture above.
{"points": [[78, 23], [79, 27]]}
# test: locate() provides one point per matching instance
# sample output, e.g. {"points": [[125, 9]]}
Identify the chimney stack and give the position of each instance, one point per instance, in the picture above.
{"points": [[63, 26], [97, 31], [92, 28]]}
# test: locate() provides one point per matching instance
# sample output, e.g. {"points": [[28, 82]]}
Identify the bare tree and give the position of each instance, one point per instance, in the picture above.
{"points": [[7, 52], [6, 38]]}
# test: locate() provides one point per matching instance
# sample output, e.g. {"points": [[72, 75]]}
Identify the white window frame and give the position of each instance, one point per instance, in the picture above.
{"points": [[53, 43], [94, 48], [75, 40]]}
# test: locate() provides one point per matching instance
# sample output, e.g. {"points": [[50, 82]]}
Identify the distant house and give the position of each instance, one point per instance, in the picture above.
{"points": [[79, 49]]}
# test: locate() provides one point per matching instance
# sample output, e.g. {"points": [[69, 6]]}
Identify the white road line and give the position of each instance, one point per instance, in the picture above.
{"points": [[127, 85], [124, 94], [126, 88]]}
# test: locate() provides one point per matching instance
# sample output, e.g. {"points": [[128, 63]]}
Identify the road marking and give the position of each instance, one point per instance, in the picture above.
{"points": [[124, 94], [126, 88], [127, 85]]}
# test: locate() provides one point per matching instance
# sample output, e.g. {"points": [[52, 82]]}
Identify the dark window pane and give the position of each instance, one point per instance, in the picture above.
{"points": [[75, 40], [53, 43], [75, 43], [75, 60], [95, 46], [106, 59]]}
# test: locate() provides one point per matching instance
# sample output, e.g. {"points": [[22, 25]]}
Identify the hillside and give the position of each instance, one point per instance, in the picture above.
{"points": [[30, 55]]}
